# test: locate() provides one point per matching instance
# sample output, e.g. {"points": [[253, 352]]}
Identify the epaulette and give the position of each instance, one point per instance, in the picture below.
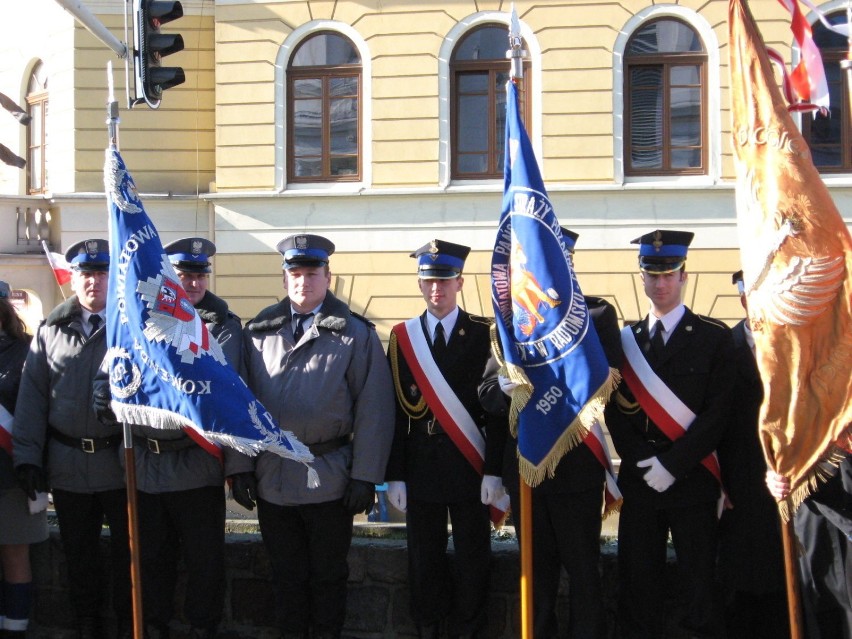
{"points": [[362, 318], [713, 321], [479, 319]]}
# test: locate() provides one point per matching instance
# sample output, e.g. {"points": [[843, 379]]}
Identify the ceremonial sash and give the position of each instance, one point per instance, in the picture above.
{"points": [[596, 442], [659, 402], [6, 421], [443, 402]]}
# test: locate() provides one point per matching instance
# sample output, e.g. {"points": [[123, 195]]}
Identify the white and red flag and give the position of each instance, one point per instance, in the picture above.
{"points": [[61, 270]]}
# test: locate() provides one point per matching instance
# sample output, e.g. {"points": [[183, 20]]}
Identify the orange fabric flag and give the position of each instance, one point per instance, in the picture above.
{"points": [[797, 260]]}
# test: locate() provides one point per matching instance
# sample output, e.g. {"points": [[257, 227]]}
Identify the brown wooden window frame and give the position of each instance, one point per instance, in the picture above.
{"points": [[37, 108], [834, 49], [325, 74], [665, 61], [496, 134]]}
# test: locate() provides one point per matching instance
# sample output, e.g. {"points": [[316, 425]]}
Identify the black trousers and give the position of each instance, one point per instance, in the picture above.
{"points": [[81, 517], [459, 593], [191, 523], [642, 535], [308, 548], [566, 534]]}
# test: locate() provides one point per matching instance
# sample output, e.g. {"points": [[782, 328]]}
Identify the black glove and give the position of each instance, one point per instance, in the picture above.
{"points": [[101, 398], [359, 497], [244, 489], [31, 479]]}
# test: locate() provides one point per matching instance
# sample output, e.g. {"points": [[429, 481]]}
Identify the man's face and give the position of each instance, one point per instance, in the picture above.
{"points": [[306, 286], [441, 295], [195, 285], [665, 290], [90, 288]]}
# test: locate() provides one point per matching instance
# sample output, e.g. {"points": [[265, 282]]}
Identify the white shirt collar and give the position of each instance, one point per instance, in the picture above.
{"points": [[448, 322], [670, 320]]}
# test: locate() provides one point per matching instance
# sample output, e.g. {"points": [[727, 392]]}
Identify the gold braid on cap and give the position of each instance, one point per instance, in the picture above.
{"points": [[414, 411]]}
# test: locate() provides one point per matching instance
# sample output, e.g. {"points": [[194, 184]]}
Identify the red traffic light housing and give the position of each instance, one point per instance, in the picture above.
{"points": [[151, 47]]}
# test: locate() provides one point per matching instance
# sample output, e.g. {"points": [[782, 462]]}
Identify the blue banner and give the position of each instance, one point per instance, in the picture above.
{"points": [[166, 370], [549, 344]]}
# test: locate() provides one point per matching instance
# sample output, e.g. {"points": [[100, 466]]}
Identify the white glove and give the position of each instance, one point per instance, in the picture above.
{"points": [[778, 485], [506, 385], [397, 495], [657, 477], [492, 490]]}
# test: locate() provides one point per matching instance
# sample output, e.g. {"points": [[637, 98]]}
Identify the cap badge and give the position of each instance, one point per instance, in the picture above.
{"points": [[301, 242], [433, 246], [196, 247], [658, 241], [91, 247]]}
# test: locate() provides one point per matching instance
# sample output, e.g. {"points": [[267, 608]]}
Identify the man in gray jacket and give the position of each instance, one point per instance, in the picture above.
{"points": [[180, 481], [60, 444], [320, 370]]}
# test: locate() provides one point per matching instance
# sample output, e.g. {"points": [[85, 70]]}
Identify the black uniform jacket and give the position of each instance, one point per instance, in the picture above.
{"points": [[750, 554], [578, 469], [698, 366], [431, 465]]}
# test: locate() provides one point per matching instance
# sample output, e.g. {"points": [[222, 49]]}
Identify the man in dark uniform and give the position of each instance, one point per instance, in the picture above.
{"points": [[59, 442], [751, 560], [437, 361], [666, 420], [567, 507], [319, 369], [180, 479]]}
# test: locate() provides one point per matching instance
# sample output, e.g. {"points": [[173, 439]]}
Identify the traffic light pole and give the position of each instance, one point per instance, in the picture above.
{"points": [[95, 26]]}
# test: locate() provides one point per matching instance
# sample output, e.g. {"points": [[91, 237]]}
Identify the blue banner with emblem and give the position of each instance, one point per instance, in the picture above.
{"points": [[166, 370], [549, 345]]}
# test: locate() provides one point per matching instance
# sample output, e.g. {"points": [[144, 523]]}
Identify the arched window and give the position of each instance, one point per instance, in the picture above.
{"points": [[665, 99], [829, 136], [324, 110], [479, 70], [37, 131]]}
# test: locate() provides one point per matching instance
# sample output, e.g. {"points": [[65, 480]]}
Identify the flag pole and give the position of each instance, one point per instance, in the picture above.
{"points": [[112, 122], [794, 606], [516, 55]]}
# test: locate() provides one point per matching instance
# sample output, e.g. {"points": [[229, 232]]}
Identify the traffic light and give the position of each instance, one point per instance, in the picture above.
{"points": [[152, 46]]}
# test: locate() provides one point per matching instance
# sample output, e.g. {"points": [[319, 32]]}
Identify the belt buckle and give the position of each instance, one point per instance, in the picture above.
{"points": [[153, 445], [87, 445]]}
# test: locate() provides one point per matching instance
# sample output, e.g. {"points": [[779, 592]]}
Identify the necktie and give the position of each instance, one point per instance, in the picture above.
{"points": [[300, 325], [94, 322], [657, 343], [439, 344]]}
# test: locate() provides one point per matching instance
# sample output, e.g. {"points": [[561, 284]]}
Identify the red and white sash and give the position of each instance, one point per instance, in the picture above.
{"points": [[659, 402], [443, 401], [6, 422], [596, 442]]}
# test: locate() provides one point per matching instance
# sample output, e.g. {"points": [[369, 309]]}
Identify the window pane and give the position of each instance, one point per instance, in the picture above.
{"points": [[646, 76], [472, 125], [307, 127], [473, 82], [308, 167], [344, 166], [686, 158], [34, 165], [325, 49], [685, 122], [473, 163], [690, 74], [343, 86], [825, 138], [487, 43], [307, 88], [664, 36], [344, 125]]}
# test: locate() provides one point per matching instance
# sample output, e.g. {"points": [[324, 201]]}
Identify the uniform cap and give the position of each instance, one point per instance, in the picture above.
{"points": [[191, 254], [570, 238], [305, 250], [5, 289], [440, 260], [89, 255], [663, 251]]}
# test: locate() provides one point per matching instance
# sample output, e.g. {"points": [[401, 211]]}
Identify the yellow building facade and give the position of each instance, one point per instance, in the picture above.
{"points": [[216, 159]]}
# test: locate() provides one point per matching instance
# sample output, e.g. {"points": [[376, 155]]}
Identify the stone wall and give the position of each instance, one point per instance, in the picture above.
{"points": [[378, 605]]}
